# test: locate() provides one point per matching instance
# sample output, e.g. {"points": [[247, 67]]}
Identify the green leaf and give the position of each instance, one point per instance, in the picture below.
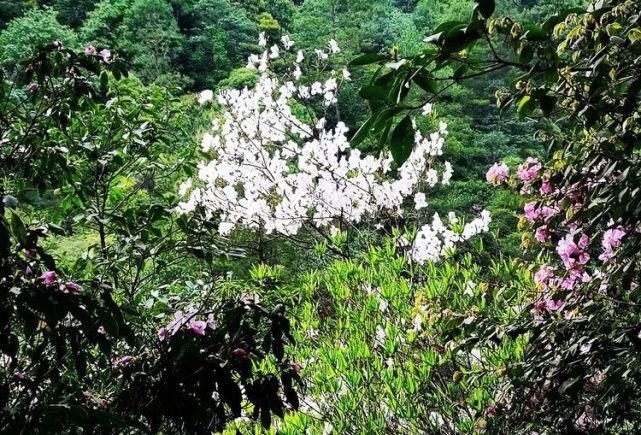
{"points": [[368, 59], [455, 39], [402, 140], [363, 131], [104, 82], [429, 86], [547, 103], [485, 7], [376, 93], [565, 386], [525, 106], [534, 33], [448, 25], [527, 54], [384, 135], [384, 117], [18, 228]]}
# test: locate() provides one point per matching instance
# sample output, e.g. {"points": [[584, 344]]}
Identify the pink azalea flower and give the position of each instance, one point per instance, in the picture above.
{"points": [[490, 411], [544, 274], [568, 283], [497, 174], [584, 241], [198, 326], [162, 334], [528, 170], [537, 308], [105, 54], [211, 322], [49, 277], [588, 420], [574, 197], [546, 188], [542, 234], [548, 212], [553, 305], [611, 240], [531, 212], [297, 368], [240, 353], [567, 250], [603, 287], [584, 257], [179, 320], [72, 287], [90, 50]]}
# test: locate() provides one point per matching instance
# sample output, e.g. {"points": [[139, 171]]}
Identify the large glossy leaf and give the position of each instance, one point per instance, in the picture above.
{"points": [[368, 59], [372, 92], [485, 7], [402, 140]]}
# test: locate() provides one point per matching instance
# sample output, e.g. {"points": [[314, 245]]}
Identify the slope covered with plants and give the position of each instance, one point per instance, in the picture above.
{"points": [[319, 216]]}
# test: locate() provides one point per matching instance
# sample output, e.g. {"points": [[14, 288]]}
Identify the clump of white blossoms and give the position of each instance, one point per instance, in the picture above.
{"points": [[434, 240], [274, 170]]}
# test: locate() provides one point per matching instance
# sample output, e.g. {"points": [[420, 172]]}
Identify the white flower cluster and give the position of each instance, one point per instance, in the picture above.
{"points": [[435, 239], [275, 172]]}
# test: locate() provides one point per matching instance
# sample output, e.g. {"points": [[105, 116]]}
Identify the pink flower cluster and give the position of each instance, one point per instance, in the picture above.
{"points": [[582, 236], [533, 212], [529, 170], [50, 278], [497, 174], [188, 320], [104, 53], [572, 244], [573, 254], [611, 240]]}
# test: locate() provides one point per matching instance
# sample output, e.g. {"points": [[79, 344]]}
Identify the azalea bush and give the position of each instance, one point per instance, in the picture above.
{"points": [[296, 275], [55, 335], [278, 167], [578, 73], [78, 332], [211, 365]]}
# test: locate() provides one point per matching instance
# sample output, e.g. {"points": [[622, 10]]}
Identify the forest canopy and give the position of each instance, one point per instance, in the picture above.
{"points": [[320, 216]]}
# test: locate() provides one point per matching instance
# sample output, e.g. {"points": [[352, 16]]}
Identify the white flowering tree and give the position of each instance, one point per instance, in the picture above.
{"points": [[277, 167]]}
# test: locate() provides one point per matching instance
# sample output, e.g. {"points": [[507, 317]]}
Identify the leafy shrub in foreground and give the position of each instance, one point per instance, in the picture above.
{"points": [[578, 72], [390, 347], [71, 358]]}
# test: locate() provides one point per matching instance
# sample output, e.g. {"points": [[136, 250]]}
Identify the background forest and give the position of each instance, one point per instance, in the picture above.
{"points": [[133, 302], [188, 46]]}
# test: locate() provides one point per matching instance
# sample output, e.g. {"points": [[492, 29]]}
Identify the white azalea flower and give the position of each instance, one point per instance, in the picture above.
{"points": [[205, 96]]}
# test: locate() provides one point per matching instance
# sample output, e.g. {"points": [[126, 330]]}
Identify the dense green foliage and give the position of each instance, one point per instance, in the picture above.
{"points": [[204, 44], [86, 162], [109, 295], [578, 71]]}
